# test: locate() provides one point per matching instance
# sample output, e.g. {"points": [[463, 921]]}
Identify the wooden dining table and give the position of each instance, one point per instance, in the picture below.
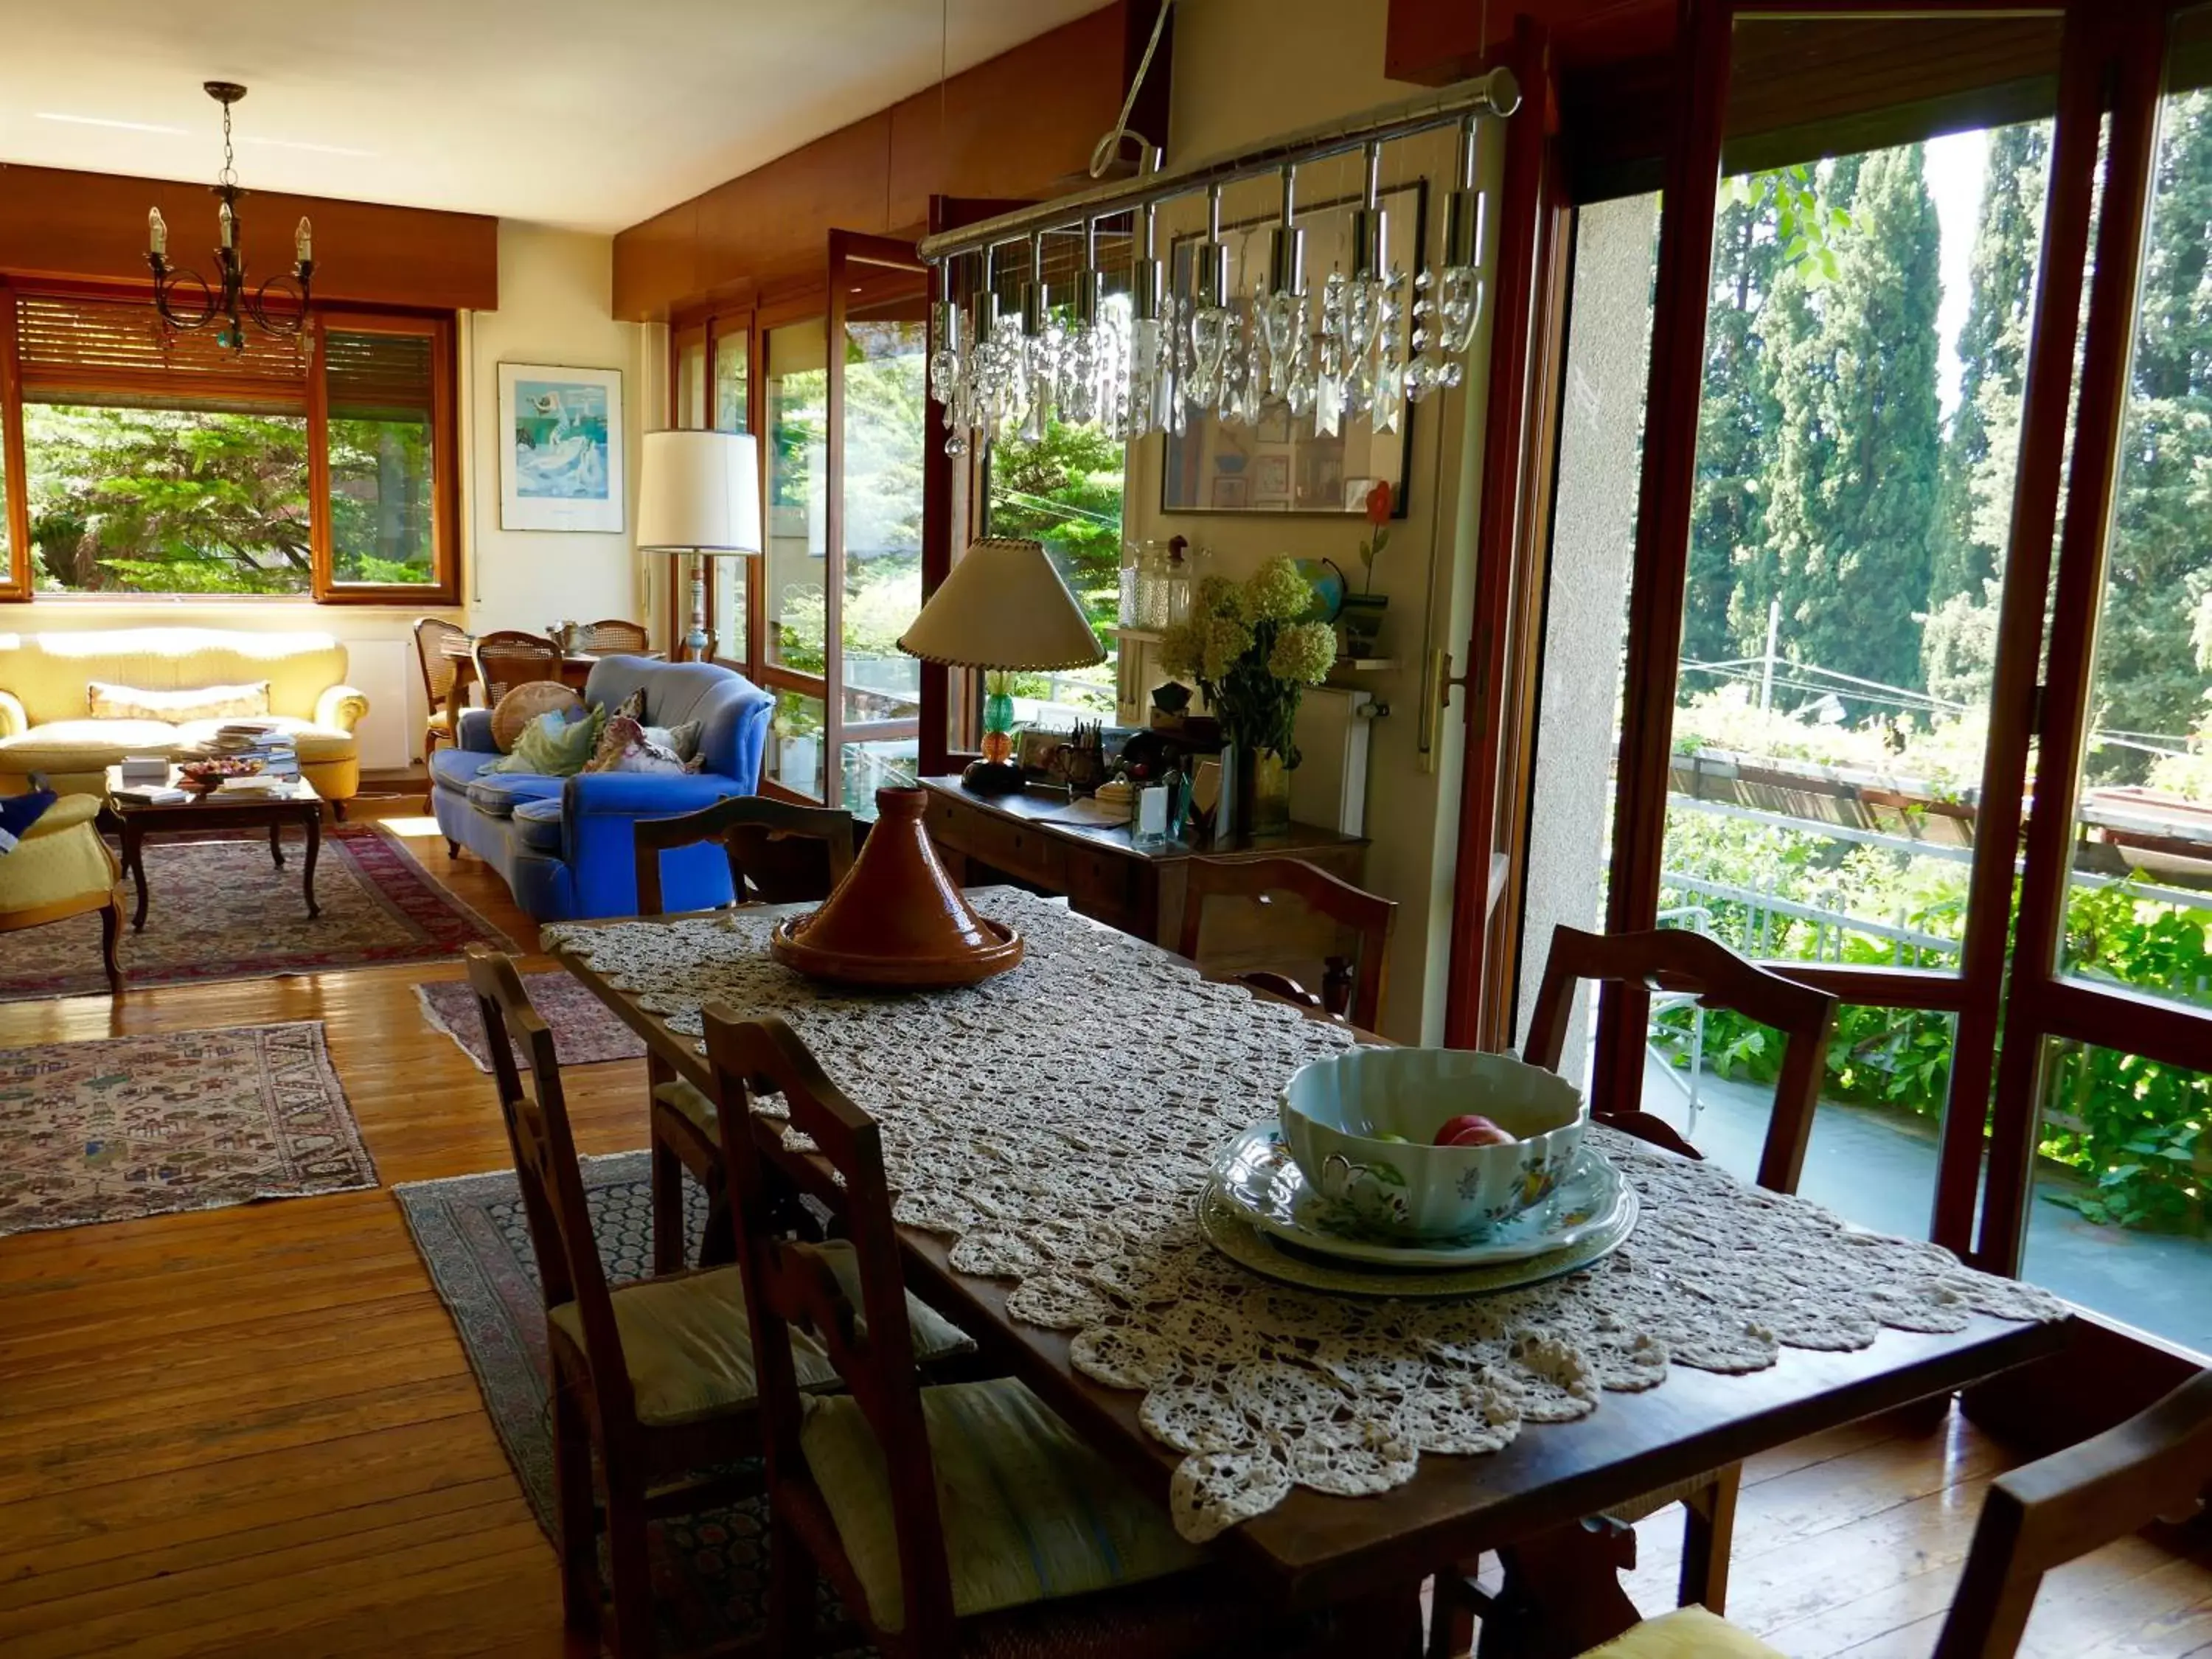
{"points": [[1371, 1552], [576, 667]]}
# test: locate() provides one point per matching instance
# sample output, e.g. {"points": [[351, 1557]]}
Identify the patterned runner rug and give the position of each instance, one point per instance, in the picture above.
{"points": [[130, 1127], [585, 1029], [222, 910], [710, 1569]]}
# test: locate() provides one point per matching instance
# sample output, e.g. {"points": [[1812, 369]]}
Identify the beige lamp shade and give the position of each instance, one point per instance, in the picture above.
{"points": [[699, 492], [1003, 606]]}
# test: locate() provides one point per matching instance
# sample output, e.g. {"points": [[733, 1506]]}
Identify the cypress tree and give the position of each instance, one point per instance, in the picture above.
{"points": [[1861, 436]]}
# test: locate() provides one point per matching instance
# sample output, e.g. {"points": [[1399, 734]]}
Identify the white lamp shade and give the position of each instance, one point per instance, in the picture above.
{"points": [[1004, 606], [699, 492]]}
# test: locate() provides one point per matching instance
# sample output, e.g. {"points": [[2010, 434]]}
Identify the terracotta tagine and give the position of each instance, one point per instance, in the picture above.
{"points": [[897, 919]]}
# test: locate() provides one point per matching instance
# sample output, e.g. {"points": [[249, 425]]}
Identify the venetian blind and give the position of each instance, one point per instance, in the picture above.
{"points": [[378, 376], [82, 349]]}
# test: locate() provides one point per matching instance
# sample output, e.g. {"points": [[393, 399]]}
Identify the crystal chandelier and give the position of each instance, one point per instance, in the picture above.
{"points": [[228, 303], [1147, 353]]}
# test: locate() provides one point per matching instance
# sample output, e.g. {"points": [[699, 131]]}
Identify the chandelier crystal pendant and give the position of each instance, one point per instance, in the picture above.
{"points": [[186, 300]]}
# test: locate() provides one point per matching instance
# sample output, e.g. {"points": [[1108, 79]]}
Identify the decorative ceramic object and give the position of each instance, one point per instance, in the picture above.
{"points": [[1360, 1124], [897, 919], [1229, 1232], [1261, 1179]]}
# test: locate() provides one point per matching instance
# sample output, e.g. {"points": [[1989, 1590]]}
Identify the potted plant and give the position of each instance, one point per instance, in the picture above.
{"points": [[1362, 611], [1253, 658]]}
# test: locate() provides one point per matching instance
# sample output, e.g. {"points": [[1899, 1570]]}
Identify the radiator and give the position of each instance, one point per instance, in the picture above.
{"points": [[1330, 785], [382, 671]]}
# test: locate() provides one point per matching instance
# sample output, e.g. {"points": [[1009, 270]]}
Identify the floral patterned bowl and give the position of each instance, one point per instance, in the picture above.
{"points": [[1335, 1112]]}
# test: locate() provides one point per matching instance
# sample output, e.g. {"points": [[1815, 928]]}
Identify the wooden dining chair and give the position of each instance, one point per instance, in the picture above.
{"points": [[439, 672], [780, 853], [1325, 908], [613, 637], [656, 1377], [1676, 961], [506, 658], [961, 1518], [2157, 1466]]}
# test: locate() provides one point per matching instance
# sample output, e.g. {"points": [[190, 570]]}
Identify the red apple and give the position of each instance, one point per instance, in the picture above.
{"points": [[1472, 1129]]}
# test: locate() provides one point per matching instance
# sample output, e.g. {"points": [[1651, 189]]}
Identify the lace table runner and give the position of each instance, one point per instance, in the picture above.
{"points": [[1059, 1122]]}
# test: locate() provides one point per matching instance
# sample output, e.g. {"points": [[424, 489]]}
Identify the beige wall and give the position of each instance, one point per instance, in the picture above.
{"points": [[1246, 70], [555, 293]]}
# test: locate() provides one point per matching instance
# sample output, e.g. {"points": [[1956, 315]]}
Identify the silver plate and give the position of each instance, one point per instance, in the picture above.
{"points": [[1226, 1229], [1259, 1179]]}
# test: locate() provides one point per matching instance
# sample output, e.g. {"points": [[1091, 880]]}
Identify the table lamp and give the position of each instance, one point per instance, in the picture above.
{"points": [[699, 493], [1003, 608]]}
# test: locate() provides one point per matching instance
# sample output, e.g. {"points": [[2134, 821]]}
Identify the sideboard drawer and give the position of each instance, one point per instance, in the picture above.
{"points": [[1021, 850], [1107, 887]]}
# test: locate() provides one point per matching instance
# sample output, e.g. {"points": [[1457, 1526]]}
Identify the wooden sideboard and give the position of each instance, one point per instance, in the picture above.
{"points": [[1138, 890]]}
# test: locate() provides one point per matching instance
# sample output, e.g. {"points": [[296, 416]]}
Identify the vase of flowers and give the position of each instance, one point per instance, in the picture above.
{"points": [[1253, 658], [1362, 616]]}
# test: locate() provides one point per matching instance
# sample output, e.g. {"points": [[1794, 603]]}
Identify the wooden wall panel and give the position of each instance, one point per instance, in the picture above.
{"points": [[1020, 125], [58, 223], [1436, 42]]}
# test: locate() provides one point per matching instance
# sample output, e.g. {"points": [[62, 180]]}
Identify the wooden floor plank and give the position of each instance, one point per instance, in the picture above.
{"points": [[253, 1432]]}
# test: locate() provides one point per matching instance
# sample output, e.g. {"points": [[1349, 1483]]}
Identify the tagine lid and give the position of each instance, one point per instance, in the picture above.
{"points": [[897, 919]]}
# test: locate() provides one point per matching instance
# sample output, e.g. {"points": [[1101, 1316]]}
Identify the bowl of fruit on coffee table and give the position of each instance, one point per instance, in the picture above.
{"points": [[206, 775], [1431, 1143]]}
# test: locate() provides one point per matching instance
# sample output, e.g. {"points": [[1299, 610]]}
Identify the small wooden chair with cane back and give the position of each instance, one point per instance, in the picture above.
{"points": [[2157, 1466], [612, 637], [1274, 932], [960, 1519], [1689, 964], [779, 853], [440, 669], [506, 658], [656, 1377]]}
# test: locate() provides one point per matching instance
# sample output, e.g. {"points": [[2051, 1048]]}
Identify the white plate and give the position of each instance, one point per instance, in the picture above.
{"points": [[1260, 1180], [1229, 1232]]}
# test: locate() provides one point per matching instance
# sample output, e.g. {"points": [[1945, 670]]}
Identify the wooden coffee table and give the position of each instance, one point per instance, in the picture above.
{"points": [[299, 804]]}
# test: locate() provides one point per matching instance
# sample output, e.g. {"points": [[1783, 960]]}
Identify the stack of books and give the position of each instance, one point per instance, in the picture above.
{"points": [[258, 783], [150, 794], [260, 740]]}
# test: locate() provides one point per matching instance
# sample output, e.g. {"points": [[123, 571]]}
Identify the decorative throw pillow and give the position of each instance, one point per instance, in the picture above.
{"points": [[552, 746], [206, 703], [684, 739], [625, 746], [631, 707], [525, 704], [18, 813]]}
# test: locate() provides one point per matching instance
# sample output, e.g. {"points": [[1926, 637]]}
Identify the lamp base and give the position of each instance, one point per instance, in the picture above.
{"points": [[985, 777]]}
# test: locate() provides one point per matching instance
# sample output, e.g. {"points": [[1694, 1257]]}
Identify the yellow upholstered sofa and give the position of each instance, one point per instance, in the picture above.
{"points": [[47, 726]]}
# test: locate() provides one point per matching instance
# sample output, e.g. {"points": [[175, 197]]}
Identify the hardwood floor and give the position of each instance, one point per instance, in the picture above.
{"points": [[253, 1432]]}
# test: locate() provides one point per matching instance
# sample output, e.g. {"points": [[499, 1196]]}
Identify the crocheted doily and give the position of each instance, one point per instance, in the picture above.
{"points": [[1059, 1122]]}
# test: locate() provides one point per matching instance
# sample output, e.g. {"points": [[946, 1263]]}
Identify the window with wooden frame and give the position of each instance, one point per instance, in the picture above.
{"points": [[138, 461]]}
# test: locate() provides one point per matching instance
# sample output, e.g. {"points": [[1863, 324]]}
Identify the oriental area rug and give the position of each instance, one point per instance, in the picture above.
{"points": [[124, 1127], [585, 1029], [222, 911]]}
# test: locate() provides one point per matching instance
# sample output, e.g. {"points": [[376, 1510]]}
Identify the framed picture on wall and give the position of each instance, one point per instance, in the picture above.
{"points": [[561, 454]]}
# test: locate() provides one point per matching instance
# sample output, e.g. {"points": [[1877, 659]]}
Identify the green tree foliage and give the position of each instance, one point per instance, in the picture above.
{"points": [[1065, 489], [1855, 510]]}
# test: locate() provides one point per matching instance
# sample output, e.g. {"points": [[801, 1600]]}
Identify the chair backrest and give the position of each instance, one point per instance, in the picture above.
{"points": [[2156, 1466], [1354, 993], [1676, 960], [506, 658], [612, 637], [780, 853], [545, 1167], [439, 667], [789, 1282]]}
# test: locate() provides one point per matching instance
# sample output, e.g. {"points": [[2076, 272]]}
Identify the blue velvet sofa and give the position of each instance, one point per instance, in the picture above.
{"points": [[564, 844]]}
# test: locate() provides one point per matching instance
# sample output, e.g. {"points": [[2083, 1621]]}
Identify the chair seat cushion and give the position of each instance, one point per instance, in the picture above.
{"points": [[1684, 1633], [314, 742], [1031, 1513], [683, 1098], [499, 796], [687, 1341], [457, 768], [62, 858], [85, 745], [538, 824], [440, 718]]}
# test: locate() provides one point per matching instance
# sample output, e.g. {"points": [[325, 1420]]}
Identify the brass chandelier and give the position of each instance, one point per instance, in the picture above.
{"points": [[228, 303]]}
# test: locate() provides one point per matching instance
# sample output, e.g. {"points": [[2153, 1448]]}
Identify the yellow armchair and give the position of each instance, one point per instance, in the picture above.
{"points": [[340, 707], [60, 869]]}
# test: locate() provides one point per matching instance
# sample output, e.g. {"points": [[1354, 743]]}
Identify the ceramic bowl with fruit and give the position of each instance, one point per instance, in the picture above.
{"points": [[1431, 1143]]}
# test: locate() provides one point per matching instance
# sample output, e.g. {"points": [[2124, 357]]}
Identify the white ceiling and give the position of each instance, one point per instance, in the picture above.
{"points": [[591, 113]]}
